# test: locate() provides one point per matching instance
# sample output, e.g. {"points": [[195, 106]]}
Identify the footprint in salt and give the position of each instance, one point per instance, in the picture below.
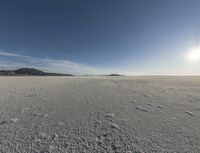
{"points": [[114, 126], [159, 106], [124, 107], [149, 104], [89, 102], [189, 113], [133, 101], [110, 115], [3, 122], [194, 100], [148, 96], [141, 109], [29, 96], [14, 120]]}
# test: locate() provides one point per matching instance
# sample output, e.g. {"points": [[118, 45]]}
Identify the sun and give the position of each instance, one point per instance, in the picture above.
{"points": [[193, 55]]}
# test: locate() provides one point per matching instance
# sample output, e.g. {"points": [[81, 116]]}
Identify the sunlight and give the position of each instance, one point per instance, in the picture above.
{"points": [[193, 55]]}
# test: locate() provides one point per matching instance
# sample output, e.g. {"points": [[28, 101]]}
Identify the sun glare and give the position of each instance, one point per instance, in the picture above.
{"points": [[193, 55]]}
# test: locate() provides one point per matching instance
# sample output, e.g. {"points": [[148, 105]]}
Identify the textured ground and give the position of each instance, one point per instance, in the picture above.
{"points": [[100, 114]]}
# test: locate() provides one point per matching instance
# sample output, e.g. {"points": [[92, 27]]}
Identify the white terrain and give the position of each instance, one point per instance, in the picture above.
{"points": [[99, 114]]}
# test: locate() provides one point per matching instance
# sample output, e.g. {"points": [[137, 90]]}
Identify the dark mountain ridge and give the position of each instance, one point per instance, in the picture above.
{"points": [[29, 72]]}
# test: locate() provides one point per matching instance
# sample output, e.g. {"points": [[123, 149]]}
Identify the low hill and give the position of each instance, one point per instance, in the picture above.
{"points": [[115, 75], [29, 72]]}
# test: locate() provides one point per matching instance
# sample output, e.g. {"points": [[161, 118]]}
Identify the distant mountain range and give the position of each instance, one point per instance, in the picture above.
{"points": [[115, 75], [29, 72]]}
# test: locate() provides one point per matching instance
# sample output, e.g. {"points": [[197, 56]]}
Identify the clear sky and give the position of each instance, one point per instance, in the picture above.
{"points": [[101, 36]]}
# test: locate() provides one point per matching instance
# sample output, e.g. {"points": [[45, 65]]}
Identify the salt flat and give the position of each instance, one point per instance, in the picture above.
{"points": [[100, 114]]}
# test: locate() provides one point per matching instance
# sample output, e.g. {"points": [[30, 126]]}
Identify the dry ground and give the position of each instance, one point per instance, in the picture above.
{"points": [[100, 114]]}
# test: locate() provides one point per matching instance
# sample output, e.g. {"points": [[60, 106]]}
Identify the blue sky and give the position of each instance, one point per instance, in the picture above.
{"points": [[100, 36]]}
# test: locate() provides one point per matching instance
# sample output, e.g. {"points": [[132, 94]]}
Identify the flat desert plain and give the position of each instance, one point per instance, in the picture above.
{"points": [[100, 114]]}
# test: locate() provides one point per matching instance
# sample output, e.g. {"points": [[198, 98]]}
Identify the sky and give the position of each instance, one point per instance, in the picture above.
{"points": [[132, 37]]}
